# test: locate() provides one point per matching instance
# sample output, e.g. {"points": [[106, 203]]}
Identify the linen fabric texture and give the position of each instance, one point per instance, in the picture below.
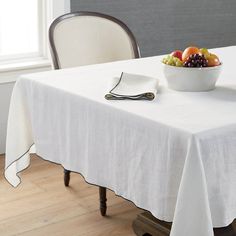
{"points": [[174, 156]]}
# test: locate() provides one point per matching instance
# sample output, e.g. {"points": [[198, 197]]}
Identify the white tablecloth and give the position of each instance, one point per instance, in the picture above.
{"points": [[174, 156]]}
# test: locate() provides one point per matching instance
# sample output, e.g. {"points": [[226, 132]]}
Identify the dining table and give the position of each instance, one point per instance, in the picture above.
{"points": [[174, 156]]}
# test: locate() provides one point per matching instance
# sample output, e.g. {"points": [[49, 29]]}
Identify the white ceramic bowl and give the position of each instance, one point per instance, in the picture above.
{"points": [[191, 79]]}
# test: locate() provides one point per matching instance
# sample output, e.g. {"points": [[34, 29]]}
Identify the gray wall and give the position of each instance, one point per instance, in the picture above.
{"points": [[161, 26]]}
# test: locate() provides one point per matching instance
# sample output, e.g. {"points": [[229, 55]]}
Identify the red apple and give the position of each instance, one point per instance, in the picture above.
{"points": [[177, 53]]}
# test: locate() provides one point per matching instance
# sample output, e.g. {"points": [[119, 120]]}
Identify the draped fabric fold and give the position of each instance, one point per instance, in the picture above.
{"points": [[174, 156]]}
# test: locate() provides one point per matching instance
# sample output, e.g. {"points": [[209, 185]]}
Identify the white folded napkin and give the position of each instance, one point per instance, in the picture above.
{"points": [[134, 87]]}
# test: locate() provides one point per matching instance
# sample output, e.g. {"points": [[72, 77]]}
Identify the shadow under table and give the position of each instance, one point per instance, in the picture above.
{"points": [[147, 225]]}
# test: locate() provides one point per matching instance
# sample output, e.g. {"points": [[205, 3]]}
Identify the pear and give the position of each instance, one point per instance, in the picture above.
{"points": [[205, 53]]}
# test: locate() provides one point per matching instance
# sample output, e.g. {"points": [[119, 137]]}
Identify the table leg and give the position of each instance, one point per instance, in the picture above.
{"points": [[103, 200], [66, 177], [147, 225]]}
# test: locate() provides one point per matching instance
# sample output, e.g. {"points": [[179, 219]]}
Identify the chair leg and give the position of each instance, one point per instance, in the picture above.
{"points": [[103, 200], [66, 177]]}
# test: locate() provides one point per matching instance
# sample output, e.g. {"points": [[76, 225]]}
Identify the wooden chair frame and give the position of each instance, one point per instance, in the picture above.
{"points": [[55, 60], [53, 49]]}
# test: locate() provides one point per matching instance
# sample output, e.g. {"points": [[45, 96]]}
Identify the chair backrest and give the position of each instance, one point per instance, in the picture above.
{"points": [[84, 38]]}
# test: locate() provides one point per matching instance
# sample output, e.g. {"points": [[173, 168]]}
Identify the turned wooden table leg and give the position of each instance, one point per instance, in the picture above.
{"points": [[147, 225], [103, 200], [66, 177]]}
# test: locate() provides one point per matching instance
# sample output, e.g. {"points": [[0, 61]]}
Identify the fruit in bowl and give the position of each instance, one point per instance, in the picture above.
{"points": [[172, 61], [188, 52], [177, 53], [194, 71], [213, 60], [192, 57], [196, 60]]}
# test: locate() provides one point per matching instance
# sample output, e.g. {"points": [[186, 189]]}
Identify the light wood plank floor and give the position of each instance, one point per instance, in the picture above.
{"points": [[41, 206]]}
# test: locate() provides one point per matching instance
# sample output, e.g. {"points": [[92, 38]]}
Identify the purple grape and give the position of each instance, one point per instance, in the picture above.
{"points": [[196, 60]]}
